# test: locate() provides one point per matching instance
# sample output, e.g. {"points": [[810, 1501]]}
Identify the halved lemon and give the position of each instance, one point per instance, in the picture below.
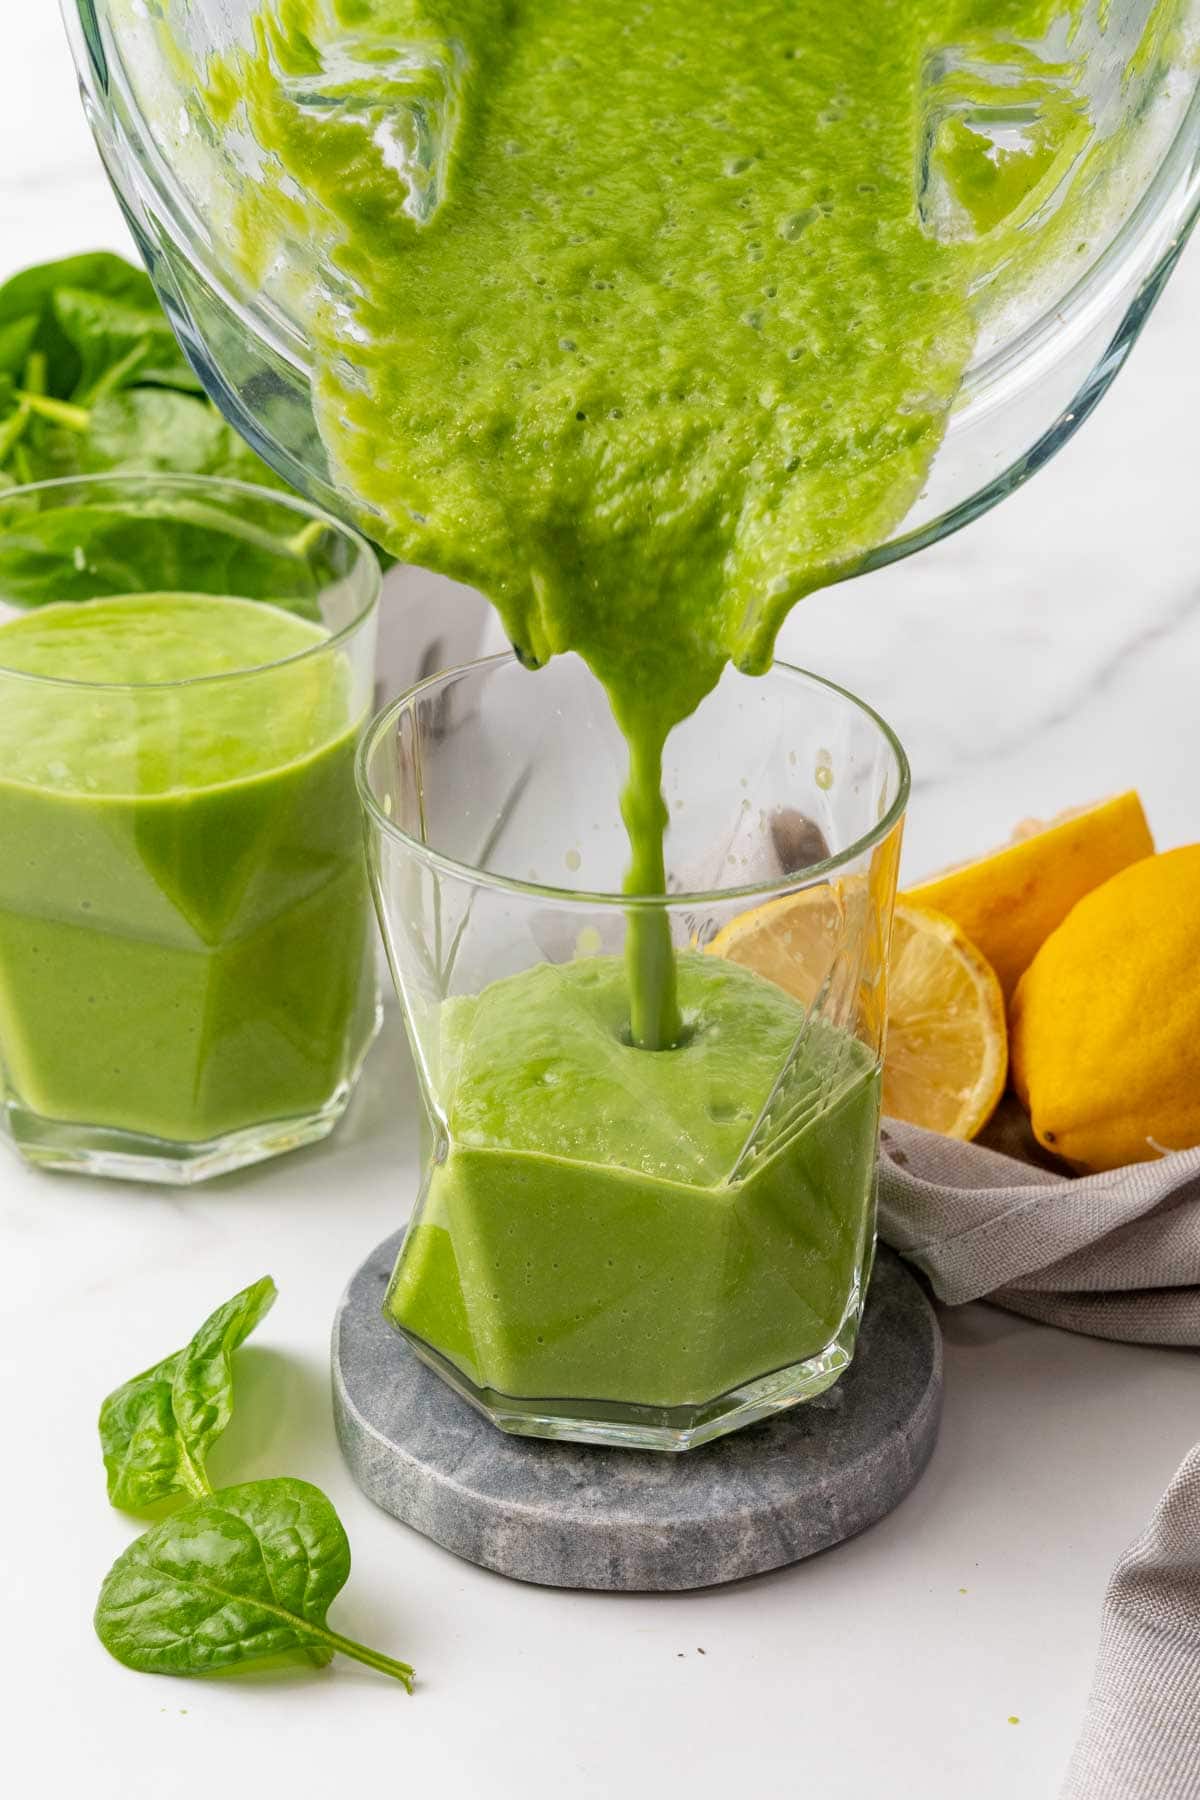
{"points": [[946, 1059], [1009, 901]]}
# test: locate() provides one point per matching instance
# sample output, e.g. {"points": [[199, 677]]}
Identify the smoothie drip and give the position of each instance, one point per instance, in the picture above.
{"points": [[644, 318]]}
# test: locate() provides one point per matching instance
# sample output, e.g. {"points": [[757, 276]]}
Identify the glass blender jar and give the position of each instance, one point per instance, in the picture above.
{"points": [[1056, 316]]}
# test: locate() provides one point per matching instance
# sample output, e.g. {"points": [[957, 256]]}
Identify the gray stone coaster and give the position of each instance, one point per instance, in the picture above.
{"points": [[570, 1515]]}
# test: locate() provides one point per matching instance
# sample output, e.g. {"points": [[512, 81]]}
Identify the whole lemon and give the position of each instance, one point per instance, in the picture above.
{"points": [[1105, 1025]]}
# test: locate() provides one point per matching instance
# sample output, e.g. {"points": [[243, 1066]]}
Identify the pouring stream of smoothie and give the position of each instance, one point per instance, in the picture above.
{"points": [[629, 315]]}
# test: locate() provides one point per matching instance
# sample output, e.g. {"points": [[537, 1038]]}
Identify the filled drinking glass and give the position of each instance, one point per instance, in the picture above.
{"points": [[612, 1243], [186, 968]]}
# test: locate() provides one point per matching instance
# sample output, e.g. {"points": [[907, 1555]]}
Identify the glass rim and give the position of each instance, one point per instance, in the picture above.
{"points": [[211, 486], [387, 827]]}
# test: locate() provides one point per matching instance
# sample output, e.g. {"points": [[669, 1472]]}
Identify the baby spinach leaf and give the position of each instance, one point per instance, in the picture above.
{"points": [[155, 428], [156, 1431], [80, 552], [44, 451], [246, 1573], [16, 343], [116, 342], [31, 294], [93, 381], [89, 332], [14, 415], [100, 271], [202, 1389], [144, 1456]]}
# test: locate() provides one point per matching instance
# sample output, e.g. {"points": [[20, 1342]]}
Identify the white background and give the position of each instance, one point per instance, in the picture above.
{"points": [[1048, 655]]}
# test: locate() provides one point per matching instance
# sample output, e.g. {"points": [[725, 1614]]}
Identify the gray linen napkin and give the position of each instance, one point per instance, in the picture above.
{"points": [[1115, 1256], [1141, 1733]]}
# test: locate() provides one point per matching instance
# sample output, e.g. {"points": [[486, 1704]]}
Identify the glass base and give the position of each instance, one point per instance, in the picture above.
{"points": [[672, 1428], [100, 1150]]}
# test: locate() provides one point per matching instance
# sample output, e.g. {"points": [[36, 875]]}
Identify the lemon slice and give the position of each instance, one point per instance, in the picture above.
{"points": [[1010, 901], [947, 1044]]}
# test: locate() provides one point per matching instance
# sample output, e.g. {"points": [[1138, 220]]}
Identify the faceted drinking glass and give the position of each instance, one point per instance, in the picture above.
{"points": [[610, 1244], [186, 967]]}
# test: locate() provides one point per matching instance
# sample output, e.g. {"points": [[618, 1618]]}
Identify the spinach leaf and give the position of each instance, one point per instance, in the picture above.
{"points": [[31, 294], [156, 1430], [117, 342], [16, 343], [92, 381], [97, 270], [99, 381], [247, 1573], [149, 429], [153, 428], [10, 425], [39, 448], [81, 552], [202, 1389]]}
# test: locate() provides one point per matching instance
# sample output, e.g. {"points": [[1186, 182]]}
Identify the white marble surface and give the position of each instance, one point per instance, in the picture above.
{"points": [[1049, 654]]}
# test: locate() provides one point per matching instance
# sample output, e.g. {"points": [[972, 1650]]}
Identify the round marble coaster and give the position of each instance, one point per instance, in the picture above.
{"points": [[570, 1515]]}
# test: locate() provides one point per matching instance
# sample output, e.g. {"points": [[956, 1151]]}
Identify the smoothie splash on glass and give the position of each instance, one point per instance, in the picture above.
{"points": [[186, 980], [646, 319]]}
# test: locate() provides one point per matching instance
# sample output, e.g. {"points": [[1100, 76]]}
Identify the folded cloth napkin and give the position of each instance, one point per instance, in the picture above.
{"points": [[1115, 1256], [1141, 1733]]}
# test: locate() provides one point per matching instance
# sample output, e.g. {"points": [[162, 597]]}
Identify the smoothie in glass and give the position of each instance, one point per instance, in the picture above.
{"points": [[184, 947], [595, 1230], [614, 1244]]}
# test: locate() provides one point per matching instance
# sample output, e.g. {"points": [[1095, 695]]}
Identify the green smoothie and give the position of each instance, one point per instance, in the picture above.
{"points": [[648, 1229], [632, 316], [633, 321], [184, 946]]}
